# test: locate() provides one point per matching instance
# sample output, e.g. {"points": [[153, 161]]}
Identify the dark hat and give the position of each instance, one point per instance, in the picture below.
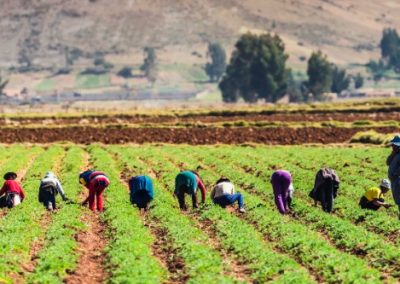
{"points": [[10, 175], [395, 140]]}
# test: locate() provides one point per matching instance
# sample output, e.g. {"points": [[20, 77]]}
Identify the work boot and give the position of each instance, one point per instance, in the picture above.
{"points": [[242, 210]]}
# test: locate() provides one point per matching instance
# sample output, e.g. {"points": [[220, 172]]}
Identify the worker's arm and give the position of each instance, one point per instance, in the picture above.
{"points": [[376, 202], [3, 189], [60, 190], [200, 185], [22, 192]]}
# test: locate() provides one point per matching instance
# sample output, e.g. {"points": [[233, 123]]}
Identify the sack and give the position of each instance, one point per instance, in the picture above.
{"points": [[48, 185], [13, 199]]}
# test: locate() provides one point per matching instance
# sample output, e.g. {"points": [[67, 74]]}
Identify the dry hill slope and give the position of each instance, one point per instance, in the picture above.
{"points": [[348, 30]]}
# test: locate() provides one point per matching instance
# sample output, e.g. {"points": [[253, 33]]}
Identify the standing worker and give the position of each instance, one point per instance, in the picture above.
{"points": [[281, 181], [96, 182], [393, 161], [50, 186], [325, 188], [14, 193], [224, 194], [141, 191], [188, 182], [373, 197]]}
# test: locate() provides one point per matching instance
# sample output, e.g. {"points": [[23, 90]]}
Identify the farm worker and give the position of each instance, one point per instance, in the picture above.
{"points": [[224, 194], [325, 188], [188, 182], [373, 197], [281, 181], [12, 190], [96, 182], [50, 186], [393, 161], [141, 191]]}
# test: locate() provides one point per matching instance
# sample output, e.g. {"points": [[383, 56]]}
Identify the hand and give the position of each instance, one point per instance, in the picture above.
{"points": [[387, 205], [85, 203], [65, 198]]}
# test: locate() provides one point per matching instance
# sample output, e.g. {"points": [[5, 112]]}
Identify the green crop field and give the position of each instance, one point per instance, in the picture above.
{"points": [[210, 244]]}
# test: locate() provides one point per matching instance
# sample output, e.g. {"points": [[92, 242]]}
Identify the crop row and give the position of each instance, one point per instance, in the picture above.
{"points": [[202, 263], [294, 238], [241, 238], [22, 226], [58, 255], [128, 250]]}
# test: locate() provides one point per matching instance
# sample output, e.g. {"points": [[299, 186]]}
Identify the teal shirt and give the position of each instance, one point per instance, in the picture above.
{"points": [[188, 179]]}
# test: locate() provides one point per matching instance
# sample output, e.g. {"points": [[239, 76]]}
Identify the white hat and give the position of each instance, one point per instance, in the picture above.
{"points": [[385, 183]]}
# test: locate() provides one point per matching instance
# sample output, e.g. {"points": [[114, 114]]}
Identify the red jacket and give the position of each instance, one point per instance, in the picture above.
{"points": [[12, 186]]}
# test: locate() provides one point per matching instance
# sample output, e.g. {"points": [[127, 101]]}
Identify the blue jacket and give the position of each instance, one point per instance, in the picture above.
{"points": [[139, 183]]}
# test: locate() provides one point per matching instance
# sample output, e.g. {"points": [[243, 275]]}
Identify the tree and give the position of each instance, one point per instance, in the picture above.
{"points": [[378, 69], [319, 73], [390, 43], [149, 66], [216, 67], [340, 80], [256, 70], [3, 84], [358, 81]]}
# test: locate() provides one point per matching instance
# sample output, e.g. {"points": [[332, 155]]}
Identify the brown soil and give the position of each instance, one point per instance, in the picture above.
{"points": [[193, 136], [271, 116], [237, 269], [91, 244], [168, 256]]}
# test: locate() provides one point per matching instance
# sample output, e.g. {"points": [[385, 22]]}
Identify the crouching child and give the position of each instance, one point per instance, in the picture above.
{"points": [[50, 186], [141, 192], [14, 194]]}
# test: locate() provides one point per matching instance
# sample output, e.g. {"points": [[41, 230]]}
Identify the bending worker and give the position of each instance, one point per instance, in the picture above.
{"points": [[224, 194], [281, 182], [50, 186], [141, 191], [187, 182], [373, 197], [325, 188], [96, 182]]}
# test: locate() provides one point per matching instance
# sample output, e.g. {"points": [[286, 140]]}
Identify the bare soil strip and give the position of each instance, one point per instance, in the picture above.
{"points": [[162, 248], [91, 243], [192, 136]]}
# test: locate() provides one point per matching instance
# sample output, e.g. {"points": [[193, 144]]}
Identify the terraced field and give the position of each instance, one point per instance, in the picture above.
{"points": [[207, 245]]}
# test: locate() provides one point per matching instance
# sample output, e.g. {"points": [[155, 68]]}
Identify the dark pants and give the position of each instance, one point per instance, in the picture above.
{"points": [[366, 204], [326, 195], [181, 197], [141, 198], [229, 199], [49, 199]]}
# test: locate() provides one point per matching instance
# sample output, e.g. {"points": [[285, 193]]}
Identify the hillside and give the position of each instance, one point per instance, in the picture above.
{"points": [[348, 30]]}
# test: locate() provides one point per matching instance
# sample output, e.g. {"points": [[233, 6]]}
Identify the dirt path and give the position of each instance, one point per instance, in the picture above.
{"points": [[91, 244]]}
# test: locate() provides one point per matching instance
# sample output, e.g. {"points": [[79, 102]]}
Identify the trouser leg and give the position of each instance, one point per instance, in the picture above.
{"points": [[194, 200], [237, 198], [100, 199], [181, 199], [92, 197]]}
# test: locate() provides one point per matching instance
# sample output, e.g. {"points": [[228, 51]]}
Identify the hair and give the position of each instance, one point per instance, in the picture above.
{"points": [[223, 179], [10, 176]]}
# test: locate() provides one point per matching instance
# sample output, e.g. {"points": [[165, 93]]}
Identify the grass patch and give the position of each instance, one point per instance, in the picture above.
{"points": [[92, 81], [46, 85]]}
